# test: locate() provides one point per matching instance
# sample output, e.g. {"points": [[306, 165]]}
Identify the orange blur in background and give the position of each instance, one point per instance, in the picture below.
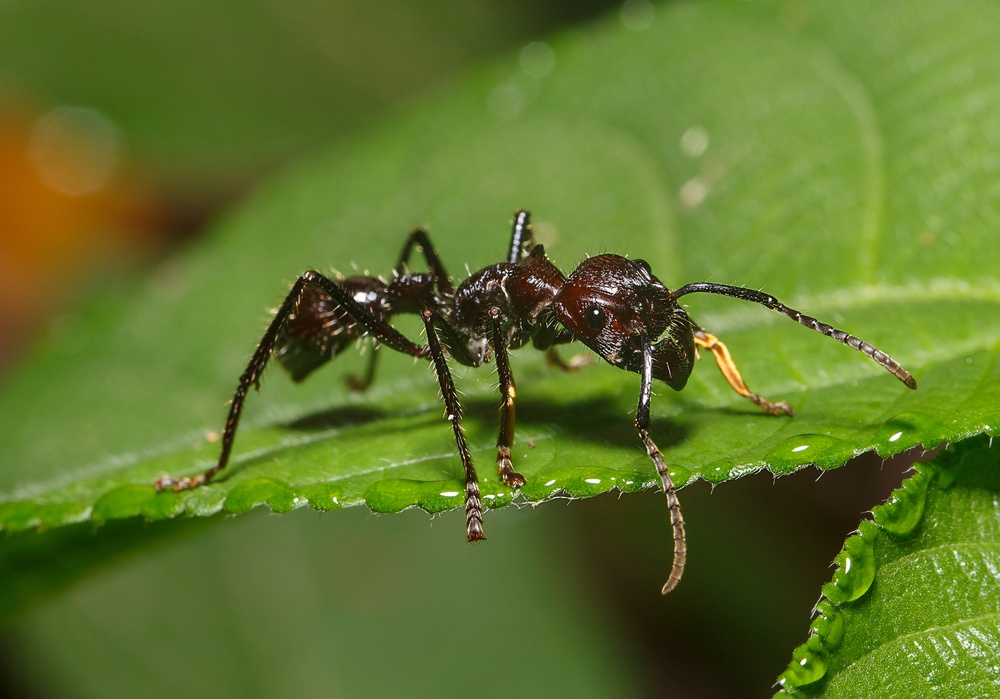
{"points": [[68, 209]]}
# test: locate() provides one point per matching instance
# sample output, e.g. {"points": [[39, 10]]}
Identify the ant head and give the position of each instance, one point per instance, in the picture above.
{"points": [[610, 302]]}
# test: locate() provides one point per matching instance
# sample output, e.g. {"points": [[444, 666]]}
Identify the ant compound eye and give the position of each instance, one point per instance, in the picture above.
{"points": [[642, 264], [595, 317]]}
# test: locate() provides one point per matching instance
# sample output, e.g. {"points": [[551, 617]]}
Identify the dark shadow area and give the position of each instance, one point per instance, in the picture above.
{"points": [[342, 416], [760, 548], [590, 420]]}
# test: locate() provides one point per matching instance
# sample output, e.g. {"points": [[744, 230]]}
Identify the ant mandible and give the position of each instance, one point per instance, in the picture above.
{"points": [[613, 305]]}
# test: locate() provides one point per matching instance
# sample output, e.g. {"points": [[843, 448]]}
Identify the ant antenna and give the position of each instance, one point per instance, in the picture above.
{"points": [[738, 292]]}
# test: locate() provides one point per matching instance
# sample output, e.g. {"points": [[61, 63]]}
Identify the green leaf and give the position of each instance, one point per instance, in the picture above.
{"points": [[914, 608], [836, 157]]}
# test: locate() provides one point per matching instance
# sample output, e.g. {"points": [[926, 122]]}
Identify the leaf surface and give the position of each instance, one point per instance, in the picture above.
{"points": [[838, 159], [914, 609]]}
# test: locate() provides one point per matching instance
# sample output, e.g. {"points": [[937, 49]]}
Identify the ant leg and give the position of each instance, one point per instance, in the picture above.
{"points": [[520, 236], [456, 347], [505, 438], [738, 292], [673, 504], [575, 363], [417, 237], [251, 376], [359, 385], [453, 409], [728, 368]]}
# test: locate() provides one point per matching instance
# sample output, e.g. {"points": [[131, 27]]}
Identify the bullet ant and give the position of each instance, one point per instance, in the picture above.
{"points": [[613, 305]]}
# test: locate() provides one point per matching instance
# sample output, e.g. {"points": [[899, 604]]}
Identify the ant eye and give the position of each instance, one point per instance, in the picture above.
{"points": [[595, 317], [644, 266]]}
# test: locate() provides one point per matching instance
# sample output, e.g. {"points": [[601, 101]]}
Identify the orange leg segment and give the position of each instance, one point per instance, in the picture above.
{"points": [[728, 368]]}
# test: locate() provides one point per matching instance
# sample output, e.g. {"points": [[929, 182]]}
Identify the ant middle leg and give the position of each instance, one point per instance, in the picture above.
{"points": [[505, 437], [380, 329], [728, 368]]}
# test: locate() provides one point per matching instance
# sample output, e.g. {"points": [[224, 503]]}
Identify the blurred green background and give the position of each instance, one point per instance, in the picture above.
{"points": [[125, 127], [182, 109]]}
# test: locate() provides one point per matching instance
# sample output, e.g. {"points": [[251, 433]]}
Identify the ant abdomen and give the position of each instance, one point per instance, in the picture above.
{"points": [[320, 328]]}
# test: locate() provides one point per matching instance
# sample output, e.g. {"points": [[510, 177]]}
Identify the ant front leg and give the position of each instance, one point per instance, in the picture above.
{"points": [[505, 438], [453, 410], [728, 368], [384, 332], [673, 504]]}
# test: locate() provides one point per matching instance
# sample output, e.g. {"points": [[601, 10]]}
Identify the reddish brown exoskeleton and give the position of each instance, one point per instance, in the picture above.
{"points": [[613, 305]]}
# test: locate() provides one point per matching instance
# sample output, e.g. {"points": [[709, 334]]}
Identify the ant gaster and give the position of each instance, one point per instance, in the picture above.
{"points": [[613, 305]]}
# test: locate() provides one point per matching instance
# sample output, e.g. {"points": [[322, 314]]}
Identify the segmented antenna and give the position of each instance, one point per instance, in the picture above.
{"points": [[873, 353]]}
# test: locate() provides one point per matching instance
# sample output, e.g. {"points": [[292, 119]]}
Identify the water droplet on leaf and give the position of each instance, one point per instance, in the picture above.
{"points": [[856, 570], [828, 626], [904, 509], [807, 666], [906, 430], [820, 449]]}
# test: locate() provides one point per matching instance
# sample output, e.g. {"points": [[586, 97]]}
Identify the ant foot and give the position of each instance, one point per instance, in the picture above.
{"points": [[475, 530], [781, 408], [178, 484], [356, 385], [510, 478]]}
